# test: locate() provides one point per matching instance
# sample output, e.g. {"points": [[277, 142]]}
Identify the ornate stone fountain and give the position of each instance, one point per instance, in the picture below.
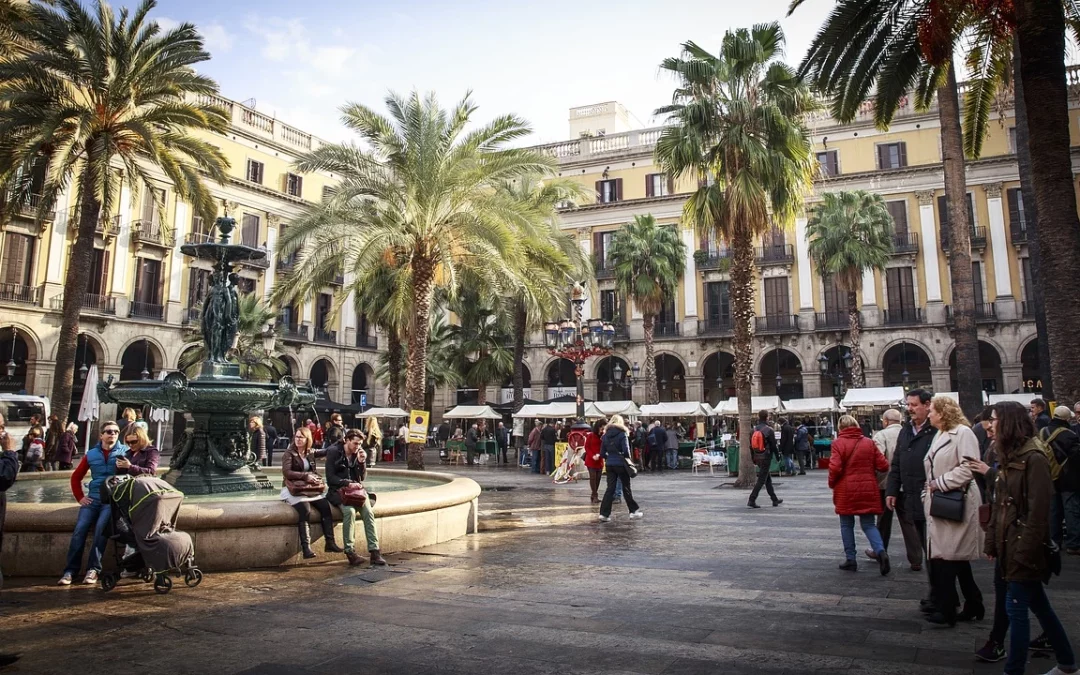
{"points": [[212, 455]]}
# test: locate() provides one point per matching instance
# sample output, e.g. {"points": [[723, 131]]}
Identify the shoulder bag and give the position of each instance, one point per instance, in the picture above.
{"points": [[947, 505], [306, 488], [353, 495]]}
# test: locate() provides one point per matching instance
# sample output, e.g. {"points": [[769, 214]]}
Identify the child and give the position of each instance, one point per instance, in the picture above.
{"points": [[35, 452]]}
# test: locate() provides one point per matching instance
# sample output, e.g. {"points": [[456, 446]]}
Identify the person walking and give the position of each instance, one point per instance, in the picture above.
{"points": [[593, 462], [953, 539], [907, 477], [615, 451], [853, 464], [1017, 535], [655, 443], [298, 466], [762, 450], [53, 434], [1065, 503], [66, 452], [802, 447], [535, 447], [886, 439], [471, 438], [258, 441], [271, 439]]}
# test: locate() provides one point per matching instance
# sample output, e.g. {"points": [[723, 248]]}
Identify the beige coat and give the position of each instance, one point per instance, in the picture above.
{"points": [[885, 440], [947, 539]]}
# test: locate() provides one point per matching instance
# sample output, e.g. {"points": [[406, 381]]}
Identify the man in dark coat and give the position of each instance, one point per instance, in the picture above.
{"points": [[763, 460], [1065, 504], [655, 443], [502, 440], [787, 445], [346, 463], [1039, 414], [907, 476]]}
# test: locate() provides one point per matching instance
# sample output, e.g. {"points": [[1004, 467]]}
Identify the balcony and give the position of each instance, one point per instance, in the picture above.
{"points": [[665, 328], [107, 228], [326, 337], [834, 320], [92, 302], [716, 325], [198, 238], [191, 315], [367, 341], [777, 323], [603, 268], [622, 331], [19, 294], [985, 311], [775, 255], [1019, 235], [904, 316], [147, 310], [338, 280], [150, 233], [294, 333], [707, 259], [905, 242], [30, 207], [1027, 309], [978, 238]]}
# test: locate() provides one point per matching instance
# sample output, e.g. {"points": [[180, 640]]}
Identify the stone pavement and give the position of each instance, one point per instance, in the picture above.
{"points": [[700, 585]]}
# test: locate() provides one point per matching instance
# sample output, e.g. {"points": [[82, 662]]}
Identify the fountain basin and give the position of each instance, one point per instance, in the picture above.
{"points": [[243, 533]]}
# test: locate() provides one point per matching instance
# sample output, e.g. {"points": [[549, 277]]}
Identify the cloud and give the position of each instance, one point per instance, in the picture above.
{"points": [[289, 41], [216, 39]]}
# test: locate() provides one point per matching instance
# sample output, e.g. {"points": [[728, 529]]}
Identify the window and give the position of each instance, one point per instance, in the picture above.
{"points": [[153, 202], [99, 272], [776, 297], [610, 309], [667, 313], [977, 284], [255, 171], [901, 287], [198, 228], [608, 191], [148, 281], [658, 185], [717, 303], [835, 297], [892, 155], [1017, 217], [290, 318], [943, 215], [249, 230], [322, 311], [363, 326], [829, 163], [198, 286], [18, 259], [774, 238], [601, 247], [1012, 140], [294, 185], [898, 211], [1025, 276]]}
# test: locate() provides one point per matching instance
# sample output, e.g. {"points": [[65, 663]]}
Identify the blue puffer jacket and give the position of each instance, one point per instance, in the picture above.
{"points": [[614, 447], [101, 468]]}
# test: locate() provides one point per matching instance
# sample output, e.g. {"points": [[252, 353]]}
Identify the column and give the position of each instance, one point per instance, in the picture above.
{"points": [[347, 334], [271, 255], [308, 319], [690, 286], [1004, 305], [930, 248], [802, 256], [173, 308], [58, 246], [1012, 376], [122, 256], [942, 378], [871, 311], [586, 246]]}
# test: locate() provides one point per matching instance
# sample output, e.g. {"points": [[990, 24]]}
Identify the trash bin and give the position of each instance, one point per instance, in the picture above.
{"points": [[733, 459]]}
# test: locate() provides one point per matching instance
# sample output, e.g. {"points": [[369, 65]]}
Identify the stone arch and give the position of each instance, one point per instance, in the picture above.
{"points": [[608, 386], [139, 355], [991, 357], [911, 357], [788, 365], [836, 377], [19, 346], [292, 366], [718, 376], [363, 382], [671, 374], [559, 370], [884, 349], [1031, 372], [323, 373], [526, 377], [29, 337], [1019, 356], [96, 343]]}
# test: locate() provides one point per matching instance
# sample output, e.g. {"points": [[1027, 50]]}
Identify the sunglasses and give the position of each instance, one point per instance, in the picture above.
{"points": [[129, 441], [111, 432]]}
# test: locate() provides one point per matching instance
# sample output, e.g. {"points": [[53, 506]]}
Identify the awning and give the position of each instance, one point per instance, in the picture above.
{"points": [[676, 409], [869, 397], [383, 412], [800, 406], [470, 412], [609, 408], [1022, 399], [757, 403], [956, 396], [593, 410]]}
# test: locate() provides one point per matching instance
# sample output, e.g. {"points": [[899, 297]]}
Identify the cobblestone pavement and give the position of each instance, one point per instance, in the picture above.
{"points": [[700, 585]]}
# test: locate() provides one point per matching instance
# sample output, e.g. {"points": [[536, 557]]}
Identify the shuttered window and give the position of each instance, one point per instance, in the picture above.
{"points": [[829, 163], [198, 286], [901, 287], [943, 215], [249, 230], [610, 310], [148, 281], [1017, 218], [776, 297], [18, 260], [99, 272], [658, 185], [977, 283], [1025, 274], [898, 211], [294, 185], [718, 303], [255, 171], [892, 155], [835, 297], [608, 191]]}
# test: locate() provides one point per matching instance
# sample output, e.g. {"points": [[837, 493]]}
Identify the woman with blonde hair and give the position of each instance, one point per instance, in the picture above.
{"points": [[142, 457], [615, 452], [951, 503], [298, 468], [853, 465]]}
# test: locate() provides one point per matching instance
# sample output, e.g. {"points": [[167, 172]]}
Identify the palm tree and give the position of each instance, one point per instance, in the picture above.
{"points": [[895, 47], [381, 295], [98, 90], [848, 234], [738, 131], [424, 191], [481, 340], [256, 362], [648, 261], [441, 370]]}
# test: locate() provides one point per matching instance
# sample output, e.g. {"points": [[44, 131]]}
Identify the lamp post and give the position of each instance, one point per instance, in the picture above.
{"points": [[779, 379], [903, 358], [843, 366], [83, 369], [576, 340], [146, 360], [11, 365]]}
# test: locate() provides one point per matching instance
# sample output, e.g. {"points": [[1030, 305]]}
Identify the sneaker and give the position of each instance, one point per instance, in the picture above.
{"points": [[1058, 671], [65, 580], [849, 566], [1041, 644], [991, 652], [605, 519], [90, 578], [637, 514]]}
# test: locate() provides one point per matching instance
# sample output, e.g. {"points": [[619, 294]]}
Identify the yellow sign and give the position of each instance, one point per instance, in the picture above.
{"points": [[560, 451], [700, 430], [418, 424]]}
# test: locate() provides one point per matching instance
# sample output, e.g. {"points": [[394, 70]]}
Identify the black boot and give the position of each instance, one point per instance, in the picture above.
{"points": [[329, 545], [305, 539]]}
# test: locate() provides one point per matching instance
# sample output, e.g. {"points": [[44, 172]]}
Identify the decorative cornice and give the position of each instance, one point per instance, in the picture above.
{"points": [[925, 197]]}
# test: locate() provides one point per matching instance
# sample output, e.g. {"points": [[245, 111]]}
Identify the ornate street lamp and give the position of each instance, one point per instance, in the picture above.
{"points": [[83, 370], [843, 366], [576, 340], [11, 362], [146, 360]]}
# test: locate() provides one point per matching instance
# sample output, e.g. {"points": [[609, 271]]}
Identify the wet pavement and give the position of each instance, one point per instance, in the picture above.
{"points": [[700, 585]]}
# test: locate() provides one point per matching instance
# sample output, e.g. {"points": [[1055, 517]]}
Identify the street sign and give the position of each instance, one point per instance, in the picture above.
{"points": [[363, 400], [418, 425]]}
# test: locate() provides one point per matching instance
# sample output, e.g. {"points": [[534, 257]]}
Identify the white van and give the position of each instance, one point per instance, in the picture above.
{"points": [[18, 409]]}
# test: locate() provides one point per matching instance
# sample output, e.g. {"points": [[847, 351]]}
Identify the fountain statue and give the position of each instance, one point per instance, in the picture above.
{"points": [[213, 453]]}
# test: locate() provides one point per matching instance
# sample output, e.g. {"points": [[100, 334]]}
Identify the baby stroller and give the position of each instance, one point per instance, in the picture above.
{"points": [[146, 542]]}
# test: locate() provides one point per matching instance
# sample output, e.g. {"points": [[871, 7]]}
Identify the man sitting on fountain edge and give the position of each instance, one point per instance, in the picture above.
{"points": [[346, 463]]}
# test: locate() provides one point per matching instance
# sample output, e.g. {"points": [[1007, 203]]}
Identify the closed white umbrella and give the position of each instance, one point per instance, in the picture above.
{"points": [[160, 415], [88, 408]]}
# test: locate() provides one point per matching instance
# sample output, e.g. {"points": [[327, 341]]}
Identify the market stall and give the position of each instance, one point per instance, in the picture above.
{"points": [[730, 407], [389, 439], [476, 412], [1023, 399]]}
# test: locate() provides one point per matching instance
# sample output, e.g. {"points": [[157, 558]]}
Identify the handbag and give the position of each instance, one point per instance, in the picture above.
{"points": [[353, 495], [984, 516], [631, 469], [305, 488], [947, 505]]}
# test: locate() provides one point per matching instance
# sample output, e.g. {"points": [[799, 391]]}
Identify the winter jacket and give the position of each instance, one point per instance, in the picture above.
{"points": [[1066, 448], [657, 438], [770, 444], [335, 433], [853, 466], [1019, 521], [67, 448], [534, 439], [143, 463], [292, 464], [1042, 420], [342, 470], [944, 465], [614, 447], [802, 439], [907, 476], [787, 440], [592, 447], [885, 440], [258, 444]]}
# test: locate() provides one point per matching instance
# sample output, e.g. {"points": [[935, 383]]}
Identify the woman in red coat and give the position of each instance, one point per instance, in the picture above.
{"points": [[853, 466], [593, 463]]}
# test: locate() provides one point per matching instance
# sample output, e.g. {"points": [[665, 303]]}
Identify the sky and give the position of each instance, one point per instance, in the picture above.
{"points": [[300, 61]]}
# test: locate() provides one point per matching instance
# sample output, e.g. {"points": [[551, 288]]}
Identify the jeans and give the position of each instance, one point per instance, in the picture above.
{"points": [[269, 459], [615, 476], [618, 490], [763, 480], [672, 458], [1069, 505], [348, 526], [95, 515], [534, 456], [549, 458], [1022, 596], [1001, 615], [847, 534]]}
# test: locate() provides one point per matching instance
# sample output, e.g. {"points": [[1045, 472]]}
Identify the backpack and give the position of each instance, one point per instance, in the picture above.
{"points": [[757, 441], [1045, 444], [36, 451]]}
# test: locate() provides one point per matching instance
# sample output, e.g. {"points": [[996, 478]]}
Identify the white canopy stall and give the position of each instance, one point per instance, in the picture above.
{"points": [[676, 409], [1022, 398], [812, 406], [956, 396], [593, 410], [873, 397], [383, 412], [609, 408], [757, 403], [472, 412]]}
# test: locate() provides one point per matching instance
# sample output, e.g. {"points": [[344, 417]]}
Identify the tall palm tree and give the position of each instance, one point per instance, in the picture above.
{"points": [[381, 295], [895, 47], [737, 129], [255, 361], [848, 234], [441, 369], [425, 191], [481, 340], [100, 89], [648, 261]]}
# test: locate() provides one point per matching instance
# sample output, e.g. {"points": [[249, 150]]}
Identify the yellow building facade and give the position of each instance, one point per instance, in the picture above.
{"points": [[144, 294]]}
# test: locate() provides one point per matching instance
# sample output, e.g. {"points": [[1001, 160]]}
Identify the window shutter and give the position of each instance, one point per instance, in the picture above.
{"points": [[159, 286], [902, 153], [139, 285], [976, 282], [649, 192], [618, 189], [299, 186], [599, 192], [671, 185], [882, 154], [1016, 211], [8, 259], [971, 209], [898, 211], [104, 290], [598, 247], [943, 217]]}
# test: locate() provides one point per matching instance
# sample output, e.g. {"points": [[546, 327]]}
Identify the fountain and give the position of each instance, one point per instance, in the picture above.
{"points": [[212, 455]]}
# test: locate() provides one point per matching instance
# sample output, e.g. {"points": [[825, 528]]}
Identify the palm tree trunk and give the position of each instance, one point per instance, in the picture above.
{"points": [[520, 327], [1031, 215], [652, 393], [416, 371], [965, 335], [393, 358], [481, 393], [742, 310], [1040, 32], [855, 326], [76, 282]]}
